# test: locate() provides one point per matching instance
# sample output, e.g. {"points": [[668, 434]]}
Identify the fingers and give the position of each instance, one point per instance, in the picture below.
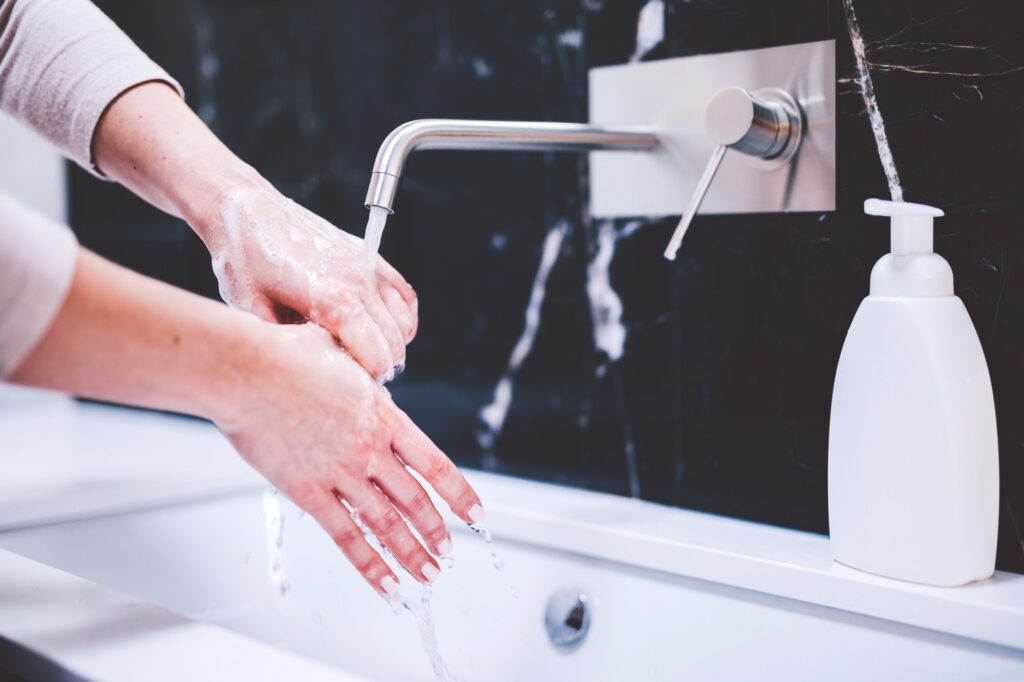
{"points": [[419, 452], [390, 528], [409, 497], [348, 536], [380, 314], [363, 338], [388, 273], [404, 314]]}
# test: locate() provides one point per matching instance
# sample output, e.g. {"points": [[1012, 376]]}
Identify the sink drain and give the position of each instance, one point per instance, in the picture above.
{"points": [[567, 618]]}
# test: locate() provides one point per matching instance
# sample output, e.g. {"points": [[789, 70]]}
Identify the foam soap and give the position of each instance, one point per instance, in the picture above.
{"points": [[913, 476]]}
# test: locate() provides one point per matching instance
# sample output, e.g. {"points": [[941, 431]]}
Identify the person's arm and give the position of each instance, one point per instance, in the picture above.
{"points": [[69, 72], [295, 405]]}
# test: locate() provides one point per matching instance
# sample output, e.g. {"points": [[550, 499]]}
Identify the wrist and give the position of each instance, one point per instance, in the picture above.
{"points": [[201, 201], [151, 142], [239, 376]]}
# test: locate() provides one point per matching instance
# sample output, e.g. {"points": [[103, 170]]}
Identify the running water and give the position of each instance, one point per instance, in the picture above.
{"points": [[420, 609], [874, 115], [371, 246], [424, 617], [374, 231]]}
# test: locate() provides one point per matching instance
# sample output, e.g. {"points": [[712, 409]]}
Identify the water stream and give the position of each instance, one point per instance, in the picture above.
{"points": [[418, 606], [867, 89], [374, 231]]}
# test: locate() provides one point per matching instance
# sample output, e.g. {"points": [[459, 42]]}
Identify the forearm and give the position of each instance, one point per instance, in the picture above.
{"points": [[153, 144], [126, 338]]}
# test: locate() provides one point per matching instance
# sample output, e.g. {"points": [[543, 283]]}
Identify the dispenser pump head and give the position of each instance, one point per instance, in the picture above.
{"points": [[913, 268], [912, 230]]}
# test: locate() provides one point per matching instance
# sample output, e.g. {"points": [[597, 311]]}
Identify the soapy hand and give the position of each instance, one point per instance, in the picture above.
{"points": [[278, 260], [324, 433]]}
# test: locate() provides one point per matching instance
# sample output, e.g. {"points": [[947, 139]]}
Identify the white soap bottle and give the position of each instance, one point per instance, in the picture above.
{"points": [[913, 473]]}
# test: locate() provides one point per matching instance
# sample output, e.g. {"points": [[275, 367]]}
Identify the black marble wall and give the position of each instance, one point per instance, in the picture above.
{"points": [[721, 399]]}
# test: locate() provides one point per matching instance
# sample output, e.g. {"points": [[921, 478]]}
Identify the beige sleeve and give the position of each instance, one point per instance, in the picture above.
{"points": [[62, 62], [37, 263]]}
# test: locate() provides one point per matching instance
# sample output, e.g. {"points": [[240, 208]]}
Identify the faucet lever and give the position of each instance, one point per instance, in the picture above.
{"points": [[698, 198], [767, 124]]}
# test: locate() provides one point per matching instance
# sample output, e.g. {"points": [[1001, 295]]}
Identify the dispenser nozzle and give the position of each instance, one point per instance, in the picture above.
{"points": [[911, 224]]}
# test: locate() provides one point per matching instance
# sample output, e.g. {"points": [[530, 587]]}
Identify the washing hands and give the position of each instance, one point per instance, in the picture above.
{"points": [[330, 438], [293, 385], [274, 258]]}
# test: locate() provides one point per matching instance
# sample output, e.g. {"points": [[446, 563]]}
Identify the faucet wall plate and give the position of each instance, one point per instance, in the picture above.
{"points": [[672, 95]]}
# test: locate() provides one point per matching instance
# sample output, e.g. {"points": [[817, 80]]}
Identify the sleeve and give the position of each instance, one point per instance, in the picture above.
{"points": [[37, 263], [62, 62]]}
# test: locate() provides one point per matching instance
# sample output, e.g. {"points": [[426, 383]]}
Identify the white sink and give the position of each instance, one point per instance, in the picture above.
{"points": [[672, 594]]}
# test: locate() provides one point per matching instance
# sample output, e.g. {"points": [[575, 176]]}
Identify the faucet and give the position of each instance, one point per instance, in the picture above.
{"points": [[766, 124], [442, 133]]}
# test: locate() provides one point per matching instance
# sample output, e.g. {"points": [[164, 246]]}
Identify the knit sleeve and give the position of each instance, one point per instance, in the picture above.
{"points": [[37, 264], [62, 62]]}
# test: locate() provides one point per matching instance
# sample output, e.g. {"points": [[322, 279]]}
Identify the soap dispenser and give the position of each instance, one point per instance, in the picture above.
{"points": [[913, 474]]}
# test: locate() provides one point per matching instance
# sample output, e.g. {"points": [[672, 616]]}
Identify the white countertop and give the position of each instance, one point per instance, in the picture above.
{"points": [[61, 459], [100, 634]]}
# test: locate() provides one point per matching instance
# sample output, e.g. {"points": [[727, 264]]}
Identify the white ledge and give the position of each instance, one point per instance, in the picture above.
{"points": [[767, 559]]}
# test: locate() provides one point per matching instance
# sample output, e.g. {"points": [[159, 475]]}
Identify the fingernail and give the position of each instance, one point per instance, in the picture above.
{"points": [[430, 572], [476, 514], [389, 585], [444, 548]]}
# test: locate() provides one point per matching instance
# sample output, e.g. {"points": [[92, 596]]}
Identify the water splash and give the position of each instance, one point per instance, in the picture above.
{"points": [[420, 608], [481, 530], [493, 415], [874, 114], [423, 615], [273, 524]]}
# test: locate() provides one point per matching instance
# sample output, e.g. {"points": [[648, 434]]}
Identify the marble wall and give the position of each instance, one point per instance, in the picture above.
{"points": [[720, 400]]}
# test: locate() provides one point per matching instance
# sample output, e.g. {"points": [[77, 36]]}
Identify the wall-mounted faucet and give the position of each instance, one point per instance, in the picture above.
{"points": [[763, 103], [442, 133]]}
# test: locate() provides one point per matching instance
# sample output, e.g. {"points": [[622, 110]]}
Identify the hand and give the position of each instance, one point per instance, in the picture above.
{"points": [[320, 430], [274, 258]]}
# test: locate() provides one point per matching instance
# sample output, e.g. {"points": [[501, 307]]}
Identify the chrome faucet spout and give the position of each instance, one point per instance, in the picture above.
{"points": [[494, 135]]}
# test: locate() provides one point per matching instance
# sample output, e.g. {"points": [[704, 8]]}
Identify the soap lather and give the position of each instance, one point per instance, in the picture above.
{"points": [[913, 477]]}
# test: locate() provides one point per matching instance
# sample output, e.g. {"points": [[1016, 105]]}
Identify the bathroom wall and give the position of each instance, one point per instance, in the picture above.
{"points": [[720, 401]]}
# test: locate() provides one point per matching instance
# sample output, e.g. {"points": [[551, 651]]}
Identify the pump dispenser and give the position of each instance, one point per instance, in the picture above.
{"points": [[913, 474]]}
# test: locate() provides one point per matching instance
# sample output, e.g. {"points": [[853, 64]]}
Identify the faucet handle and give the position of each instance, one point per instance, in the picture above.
{"points": [[767, 124]]}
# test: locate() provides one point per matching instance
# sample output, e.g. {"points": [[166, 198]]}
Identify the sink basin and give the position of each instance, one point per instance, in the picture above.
{"points": [[214, 561]]}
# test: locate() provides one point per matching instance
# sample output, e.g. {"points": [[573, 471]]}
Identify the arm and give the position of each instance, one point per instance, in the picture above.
{"points": [[296, 407], [69, 72]]}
